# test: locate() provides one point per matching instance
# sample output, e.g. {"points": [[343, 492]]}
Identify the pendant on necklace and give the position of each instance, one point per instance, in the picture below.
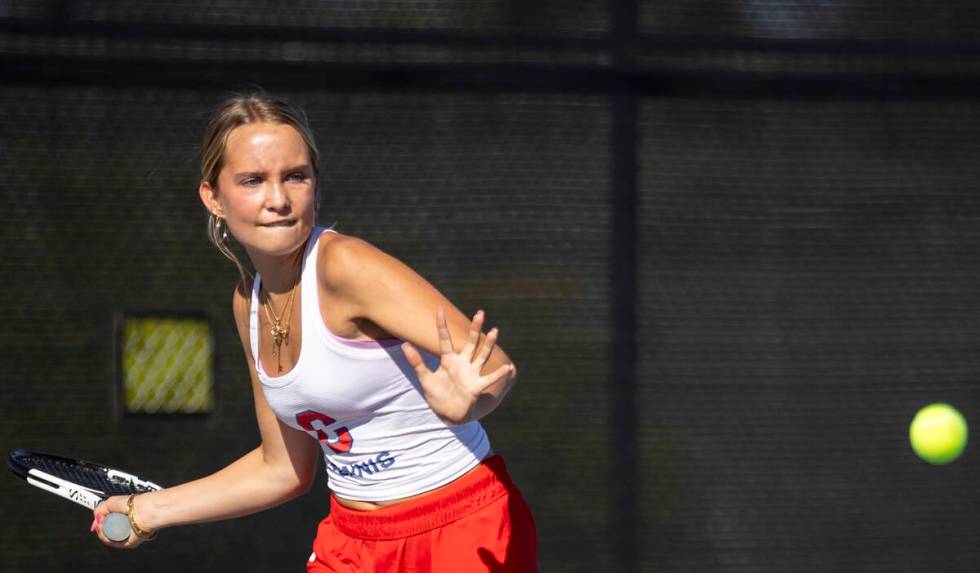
{"points": [[279, 335]]}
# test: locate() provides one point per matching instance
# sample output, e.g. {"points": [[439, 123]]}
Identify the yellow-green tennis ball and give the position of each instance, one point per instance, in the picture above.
{"points": [[938, 433]]}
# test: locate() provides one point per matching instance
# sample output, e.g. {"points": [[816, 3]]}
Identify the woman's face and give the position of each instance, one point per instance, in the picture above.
{"points": [[266, 190]]}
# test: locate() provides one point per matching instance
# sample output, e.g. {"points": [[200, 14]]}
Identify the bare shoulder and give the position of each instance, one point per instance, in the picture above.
{"points": [[346, 260]]}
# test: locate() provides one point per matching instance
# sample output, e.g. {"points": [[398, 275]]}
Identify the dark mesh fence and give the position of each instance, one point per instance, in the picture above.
{"points": [[547, 17], [808, 282], [800, 177], [802, 20]]}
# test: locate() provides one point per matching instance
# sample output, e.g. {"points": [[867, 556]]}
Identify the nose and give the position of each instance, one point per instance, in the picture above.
{"points": [[275, 197]]}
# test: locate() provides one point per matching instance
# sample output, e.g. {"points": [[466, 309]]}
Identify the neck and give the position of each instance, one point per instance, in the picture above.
{"points": [[279, 274]]}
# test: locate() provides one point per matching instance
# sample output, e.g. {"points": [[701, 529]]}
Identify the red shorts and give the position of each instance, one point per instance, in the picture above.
{"points": [[477, 523]]}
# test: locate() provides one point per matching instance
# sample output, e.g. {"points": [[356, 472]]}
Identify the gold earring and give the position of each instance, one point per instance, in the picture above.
{"points": [[217, 227]]}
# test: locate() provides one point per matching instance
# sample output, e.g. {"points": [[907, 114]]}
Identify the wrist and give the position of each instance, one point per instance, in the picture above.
{"points": [[148, 512], [137, 521]]}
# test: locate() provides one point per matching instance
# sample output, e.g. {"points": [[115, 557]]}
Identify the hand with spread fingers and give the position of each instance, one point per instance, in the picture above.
{"points": [[454, 388]]}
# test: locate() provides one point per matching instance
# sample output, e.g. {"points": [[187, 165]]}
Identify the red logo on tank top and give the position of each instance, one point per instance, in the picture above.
{"points": [[340, 443]]}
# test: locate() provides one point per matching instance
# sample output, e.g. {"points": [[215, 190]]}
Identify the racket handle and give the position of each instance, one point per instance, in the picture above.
{"points": [[116, 526]]}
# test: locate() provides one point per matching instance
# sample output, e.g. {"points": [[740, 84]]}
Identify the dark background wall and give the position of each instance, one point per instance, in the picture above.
{"points": [[730, 245]]}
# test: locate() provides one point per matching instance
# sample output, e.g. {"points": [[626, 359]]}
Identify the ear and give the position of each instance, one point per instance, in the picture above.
{"points": [[209, 196]]}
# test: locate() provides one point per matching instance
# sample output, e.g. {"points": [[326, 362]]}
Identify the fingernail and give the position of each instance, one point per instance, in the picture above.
{"points": [[100, 518], [94, 524]]}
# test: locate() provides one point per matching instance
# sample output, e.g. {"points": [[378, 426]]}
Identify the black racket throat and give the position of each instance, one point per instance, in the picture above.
{"points": [[68, 475]]}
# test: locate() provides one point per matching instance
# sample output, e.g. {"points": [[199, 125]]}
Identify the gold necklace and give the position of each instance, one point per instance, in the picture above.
{"points": [[278, 330]]}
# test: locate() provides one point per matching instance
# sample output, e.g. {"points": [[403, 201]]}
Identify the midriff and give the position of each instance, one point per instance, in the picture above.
{"points": [[359, 505]]}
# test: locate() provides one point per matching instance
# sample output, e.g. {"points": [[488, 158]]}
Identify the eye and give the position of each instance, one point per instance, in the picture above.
{"points": [[251, 181], [298, 176]]}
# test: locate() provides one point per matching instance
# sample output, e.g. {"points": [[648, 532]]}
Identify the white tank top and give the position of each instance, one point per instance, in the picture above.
{"points": [[362, 401]]}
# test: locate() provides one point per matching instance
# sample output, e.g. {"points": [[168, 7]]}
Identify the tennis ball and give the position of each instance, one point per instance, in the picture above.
{"points": [[938, 433]]}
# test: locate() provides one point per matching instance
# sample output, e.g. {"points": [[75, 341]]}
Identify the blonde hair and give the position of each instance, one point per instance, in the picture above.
{"points": [[233, 113]]}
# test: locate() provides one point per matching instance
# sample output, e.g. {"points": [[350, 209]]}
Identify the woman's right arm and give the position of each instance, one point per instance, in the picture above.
{"points": [[281, 468]]}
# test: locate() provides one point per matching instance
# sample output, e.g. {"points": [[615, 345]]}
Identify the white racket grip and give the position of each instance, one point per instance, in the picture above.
{"points": [[116, 526]]}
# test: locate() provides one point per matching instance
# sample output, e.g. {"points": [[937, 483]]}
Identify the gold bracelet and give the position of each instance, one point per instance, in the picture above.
{"points": [[131, 513]]}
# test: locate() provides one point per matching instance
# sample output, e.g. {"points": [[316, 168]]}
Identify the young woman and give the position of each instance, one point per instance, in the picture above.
{"points": [[349, 350]]}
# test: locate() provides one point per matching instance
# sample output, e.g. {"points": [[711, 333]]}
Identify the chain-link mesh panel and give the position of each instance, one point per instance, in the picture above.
{"points": [[808, 280], [167, 366]]}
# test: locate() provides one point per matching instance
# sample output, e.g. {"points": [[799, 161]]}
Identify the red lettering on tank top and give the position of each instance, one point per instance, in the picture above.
{"points": [[341, 444]]}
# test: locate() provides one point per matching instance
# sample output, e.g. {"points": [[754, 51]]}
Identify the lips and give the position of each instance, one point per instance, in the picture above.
{"points": [[282, 223]]}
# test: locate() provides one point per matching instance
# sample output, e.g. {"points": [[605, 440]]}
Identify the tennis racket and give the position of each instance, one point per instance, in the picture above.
{"points": [[85, 483]]}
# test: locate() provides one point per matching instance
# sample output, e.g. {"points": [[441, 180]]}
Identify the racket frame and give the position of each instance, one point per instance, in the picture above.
{"points": [[82, 495]]}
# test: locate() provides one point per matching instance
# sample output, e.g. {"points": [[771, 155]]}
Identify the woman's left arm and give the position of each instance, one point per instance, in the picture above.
{"points": [[473, 375]]}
